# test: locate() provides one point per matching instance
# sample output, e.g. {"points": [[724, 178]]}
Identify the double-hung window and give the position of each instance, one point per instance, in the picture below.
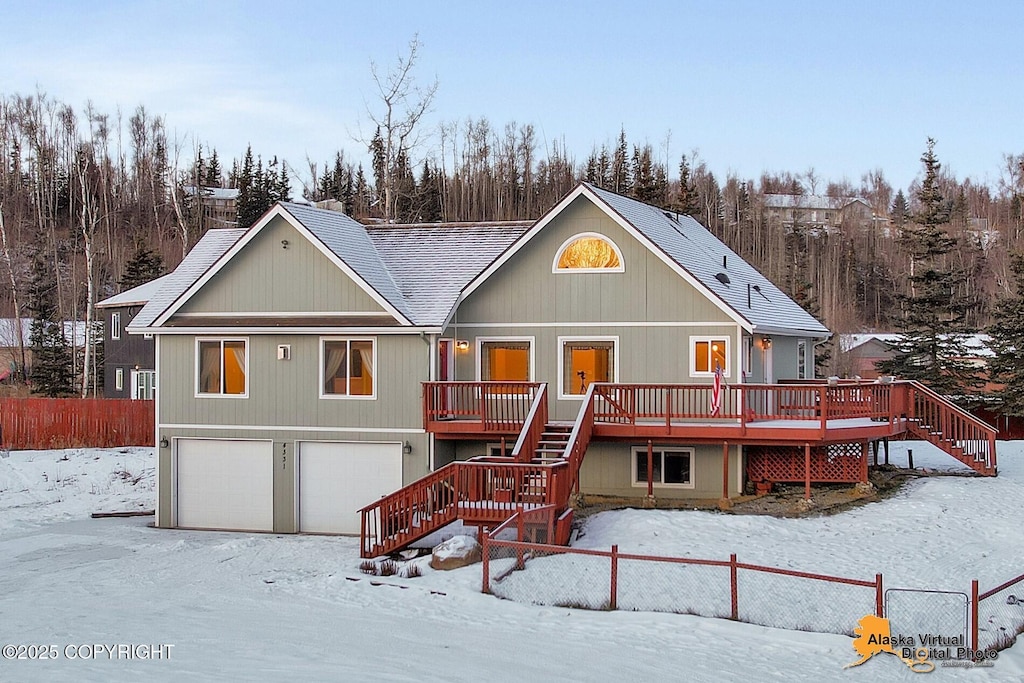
{"points": [[115, 325], [348, 368], [222, 367]]}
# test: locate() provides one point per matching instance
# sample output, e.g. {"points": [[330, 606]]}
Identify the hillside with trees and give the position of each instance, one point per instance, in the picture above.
{"points": [[92, 203]]}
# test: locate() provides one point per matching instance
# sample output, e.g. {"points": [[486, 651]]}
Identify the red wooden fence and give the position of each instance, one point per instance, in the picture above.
{"points": [[37, 423]]}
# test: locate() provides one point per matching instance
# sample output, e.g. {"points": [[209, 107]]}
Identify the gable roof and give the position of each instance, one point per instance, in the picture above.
{"points": [[697, 256], [211, 247], [414, 271], [136, 295], [811, 201]]}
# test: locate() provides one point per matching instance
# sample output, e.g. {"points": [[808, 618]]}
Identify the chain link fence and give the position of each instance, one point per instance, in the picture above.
{"points": [[1001, 615], [916, 613]]}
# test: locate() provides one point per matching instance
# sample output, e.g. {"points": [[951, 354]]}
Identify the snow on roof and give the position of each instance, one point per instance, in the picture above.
{"points": [[74, 332], [412, 253], [809, 201], [977, 344], [136, 295], [692, 246], [213, 192], [204, 254]]}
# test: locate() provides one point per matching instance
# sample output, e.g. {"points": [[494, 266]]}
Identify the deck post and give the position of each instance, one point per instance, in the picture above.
{"points": [[807, 471], [864, 462], [725, 471], [650, 469], [885, 445], [503, 453], [910, 459], [874, 448]]}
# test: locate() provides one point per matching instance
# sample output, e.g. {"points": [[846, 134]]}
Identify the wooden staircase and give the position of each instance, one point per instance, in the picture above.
{"points": [[934, 419], [538, 479]]}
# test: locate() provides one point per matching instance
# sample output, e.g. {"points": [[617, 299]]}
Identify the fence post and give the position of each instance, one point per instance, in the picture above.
{"points": [[974, 615], [910, 458], [733, 591], [486, 553], [879, 606], [613, 598]]}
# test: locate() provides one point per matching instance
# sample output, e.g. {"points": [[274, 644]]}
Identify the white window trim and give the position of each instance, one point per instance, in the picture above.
{"points": [[480, 341], [115, 325], [801, 359], [562, 341], [118, 379], [376, 369], [659, 451], [726, 371], [581, 235], [136, 385], [244, 340]]}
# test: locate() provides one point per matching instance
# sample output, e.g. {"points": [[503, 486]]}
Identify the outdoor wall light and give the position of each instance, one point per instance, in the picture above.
{"points": [[164, 443], [462, 345], [284, 244], [766, 342], [407, 448]]}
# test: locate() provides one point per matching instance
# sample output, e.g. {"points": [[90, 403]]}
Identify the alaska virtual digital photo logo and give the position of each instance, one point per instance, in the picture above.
{"points": [[917, 651]]}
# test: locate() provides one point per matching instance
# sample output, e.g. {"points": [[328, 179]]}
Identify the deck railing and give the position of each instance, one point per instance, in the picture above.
{"points": [[948, 426], [496, 406], [630, 403], [485, 492], [579, 438]]}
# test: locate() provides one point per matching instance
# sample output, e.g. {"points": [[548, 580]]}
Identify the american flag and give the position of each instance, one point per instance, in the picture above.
{"points": [[716, 392]]}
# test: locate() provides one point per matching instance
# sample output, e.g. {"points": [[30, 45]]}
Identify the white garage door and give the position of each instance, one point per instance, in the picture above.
{"points": [[225, 484], [336, 479]]}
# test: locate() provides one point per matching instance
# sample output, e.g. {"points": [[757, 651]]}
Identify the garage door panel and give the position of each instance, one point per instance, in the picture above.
{"points": [[336, 479], [225, 484]]}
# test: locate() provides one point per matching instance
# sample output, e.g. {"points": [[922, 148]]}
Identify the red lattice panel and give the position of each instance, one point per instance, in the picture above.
{"points": [[839, 463]]}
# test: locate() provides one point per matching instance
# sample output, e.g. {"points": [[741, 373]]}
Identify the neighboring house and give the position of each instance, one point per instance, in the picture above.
{"points": [[310, 365], [129, 368], [219, 205], [818, 212], [861, 352]]}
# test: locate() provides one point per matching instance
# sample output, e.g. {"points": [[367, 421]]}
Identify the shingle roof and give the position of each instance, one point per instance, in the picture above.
{"points": [[136, 295], [432, 263], [204, 254], [809, 201], [349, 241], [692, 247]]}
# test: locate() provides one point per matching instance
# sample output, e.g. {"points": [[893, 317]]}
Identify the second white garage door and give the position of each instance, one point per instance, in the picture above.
{"points": [[338, 478]]}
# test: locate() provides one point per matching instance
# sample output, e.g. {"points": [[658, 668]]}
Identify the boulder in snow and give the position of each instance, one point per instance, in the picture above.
{"points": [[457, 551]]}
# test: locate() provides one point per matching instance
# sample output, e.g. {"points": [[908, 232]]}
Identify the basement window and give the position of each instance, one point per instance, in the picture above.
{"points": [[673, 467]]}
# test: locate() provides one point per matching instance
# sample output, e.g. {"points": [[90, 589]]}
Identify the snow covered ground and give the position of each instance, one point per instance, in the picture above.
{"points": [[265, 607]]}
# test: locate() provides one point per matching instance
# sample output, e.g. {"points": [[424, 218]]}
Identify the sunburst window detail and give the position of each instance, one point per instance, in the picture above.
{"points": [[588, 252]]}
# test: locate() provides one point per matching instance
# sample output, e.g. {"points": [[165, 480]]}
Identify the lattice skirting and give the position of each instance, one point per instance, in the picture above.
{"points": [[840, 463]]}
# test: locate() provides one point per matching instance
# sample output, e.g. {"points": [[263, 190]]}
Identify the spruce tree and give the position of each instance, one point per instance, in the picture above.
{"points": [[145, 265], [51, 353], [932, 347], [1006, 368]]}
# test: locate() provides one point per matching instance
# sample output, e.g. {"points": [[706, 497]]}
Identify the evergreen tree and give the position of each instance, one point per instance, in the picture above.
{"points": [[900, 212], [620, 180], [429, 196], [932, 347], [687, 202], [247, 183], [1006, 368], [213, 171], [51, 353], [146, 265]]}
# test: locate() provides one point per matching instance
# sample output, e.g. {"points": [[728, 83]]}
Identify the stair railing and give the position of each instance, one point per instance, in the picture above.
{"points": [[533, 427], [945, 424]]}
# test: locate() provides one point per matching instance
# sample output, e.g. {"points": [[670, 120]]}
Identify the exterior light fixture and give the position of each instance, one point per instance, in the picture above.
{"points": [[407, 448], [766, 342], [462, 344], [164, 443]]}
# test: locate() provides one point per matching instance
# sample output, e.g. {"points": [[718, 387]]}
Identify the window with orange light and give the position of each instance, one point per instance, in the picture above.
{"points": [[222, 366], [709, 353]]}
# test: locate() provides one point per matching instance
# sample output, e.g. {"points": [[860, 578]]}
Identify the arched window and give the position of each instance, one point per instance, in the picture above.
{"points": [[588, 252]]}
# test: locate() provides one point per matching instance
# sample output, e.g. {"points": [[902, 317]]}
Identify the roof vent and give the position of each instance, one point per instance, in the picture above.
{"points": [[723, 278]]}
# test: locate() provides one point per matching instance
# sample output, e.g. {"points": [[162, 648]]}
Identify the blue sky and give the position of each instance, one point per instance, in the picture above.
{"points": [[842, 88]]}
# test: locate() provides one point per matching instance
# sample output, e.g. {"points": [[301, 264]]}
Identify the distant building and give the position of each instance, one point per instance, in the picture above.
{"points": [[10, 348], [219, 205], [860, 352], [129, 367], [818, 212]]}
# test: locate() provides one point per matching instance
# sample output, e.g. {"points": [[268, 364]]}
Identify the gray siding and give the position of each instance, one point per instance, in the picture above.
{"points": [[266, 277], [286, 392], [525, 290], [607, 471], [126, 353]]}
